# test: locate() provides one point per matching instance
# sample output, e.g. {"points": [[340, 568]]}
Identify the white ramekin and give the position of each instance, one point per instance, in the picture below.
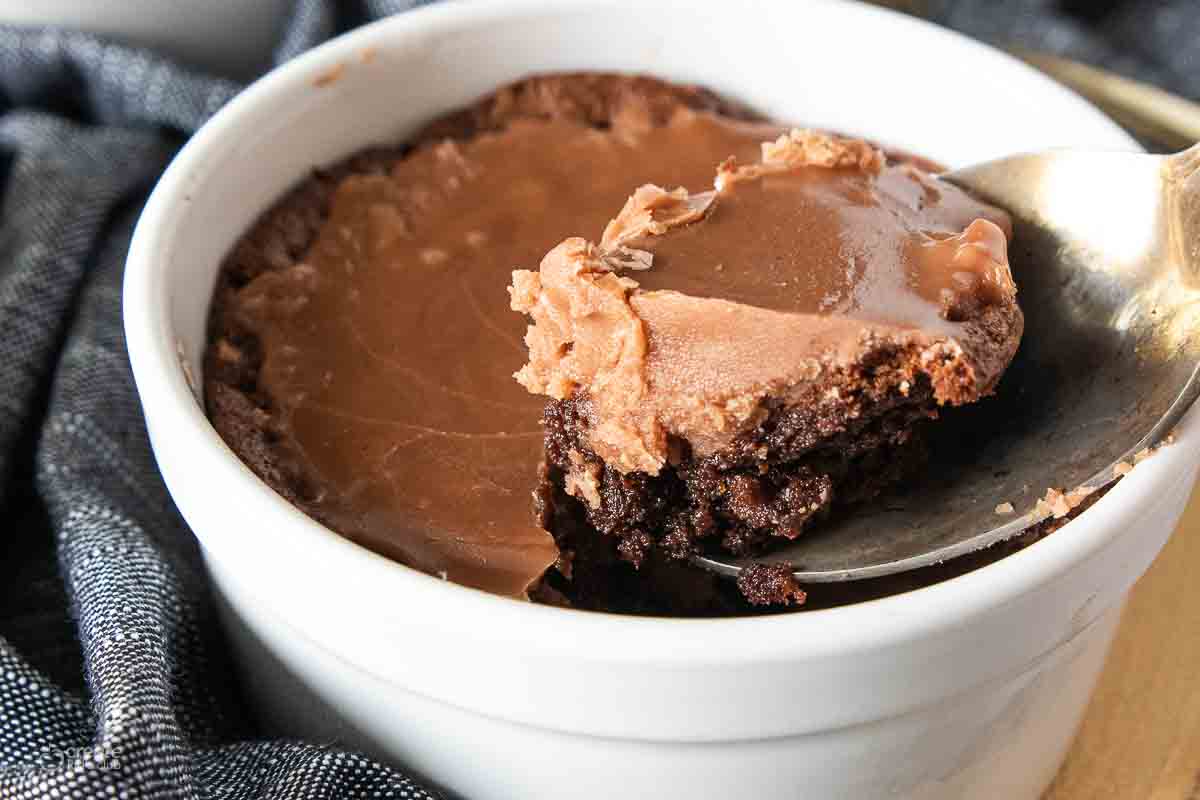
{"points": [[969, 688]]}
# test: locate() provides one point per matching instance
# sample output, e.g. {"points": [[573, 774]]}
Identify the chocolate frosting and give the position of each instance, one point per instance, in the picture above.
{"points": [[697, 309], [388, 347]]}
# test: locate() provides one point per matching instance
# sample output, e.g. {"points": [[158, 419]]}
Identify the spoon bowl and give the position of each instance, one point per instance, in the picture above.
{"points": [[1106, 256]]}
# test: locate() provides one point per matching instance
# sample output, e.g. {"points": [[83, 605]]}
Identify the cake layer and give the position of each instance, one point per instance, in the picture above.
{"points": [[727, 367]]}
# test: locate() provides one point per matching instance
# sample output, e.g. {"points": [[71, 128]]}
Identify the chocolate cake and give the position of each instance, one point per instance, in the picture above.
{"points": [[361, 352], [361, 346], [726, 367]]}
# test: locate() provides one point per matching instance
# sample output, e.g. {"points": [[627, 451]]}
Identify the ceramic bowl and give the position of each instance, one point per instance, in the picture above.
{"points": [[968, 688]]}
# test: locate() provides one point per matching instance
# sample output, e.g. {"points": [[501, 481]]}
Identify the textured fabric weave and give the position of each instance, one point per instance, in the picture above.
{"points": [[114, 678]]}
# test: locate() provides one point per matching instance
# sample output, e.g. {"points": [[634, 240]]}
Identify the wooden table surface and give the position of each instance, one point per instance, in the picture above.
{"points": [[1140, 739]]}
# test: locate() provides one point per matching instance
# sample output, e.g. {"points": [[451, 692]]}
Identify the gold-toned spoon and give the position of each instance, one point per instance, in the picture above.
{"points": [[1106, 255]]}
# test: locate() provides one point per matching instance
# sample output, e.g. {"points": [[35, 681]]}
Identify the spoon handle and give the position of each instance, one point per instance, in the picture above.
{"points": [[1146, 110], [1181, 184]]}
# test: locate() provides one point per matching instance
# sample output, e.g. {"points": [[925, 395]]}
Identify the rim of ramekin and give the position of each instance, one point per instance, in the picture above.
{"points": [[170, 403]]}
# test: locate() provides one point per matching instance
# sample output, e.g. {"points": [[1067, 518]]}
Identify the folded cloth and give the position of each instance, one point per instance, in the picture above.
{"points": [[114, 677]]}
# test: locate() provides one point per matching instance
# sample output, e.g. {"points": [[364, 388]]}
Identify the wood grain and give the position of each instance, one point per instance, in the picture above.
{"points": [[1140, 739]]}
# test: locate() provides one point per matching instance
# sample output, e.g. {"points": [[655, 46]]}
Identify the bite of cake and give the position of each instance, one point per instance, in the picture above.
{"points": [[724, 368]]}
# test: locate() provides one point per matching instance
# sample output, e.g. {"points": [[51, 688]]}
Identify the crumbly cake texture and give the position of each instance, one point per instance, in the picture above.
{"points": [[689, 424]]}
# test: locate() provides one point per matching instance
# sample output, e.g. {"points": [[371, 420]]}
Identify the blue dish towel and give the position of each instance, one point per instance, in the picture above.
{"points": [[114, 678]]}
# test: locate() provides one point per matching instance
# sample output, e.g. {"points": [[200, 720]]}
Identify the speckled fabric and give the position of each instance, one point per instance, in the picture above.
{"points": [[114, 677]]}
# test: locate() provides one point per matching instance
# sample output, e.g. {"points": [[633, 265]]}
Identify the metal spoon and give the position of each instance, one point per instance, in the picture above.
{"points": [[1106, 255]]}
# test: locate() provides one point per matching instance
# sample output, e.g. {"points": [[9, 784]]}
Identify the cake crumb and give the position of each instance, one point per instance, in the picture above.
{"points": [[1122, 469], [1004, 508], [367, 55], [443, 574], [583, 479], [329, 76], [770, 584], [1142, 455], [1058, 504], [652, 210], [1053, 504], [803, 147]]}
